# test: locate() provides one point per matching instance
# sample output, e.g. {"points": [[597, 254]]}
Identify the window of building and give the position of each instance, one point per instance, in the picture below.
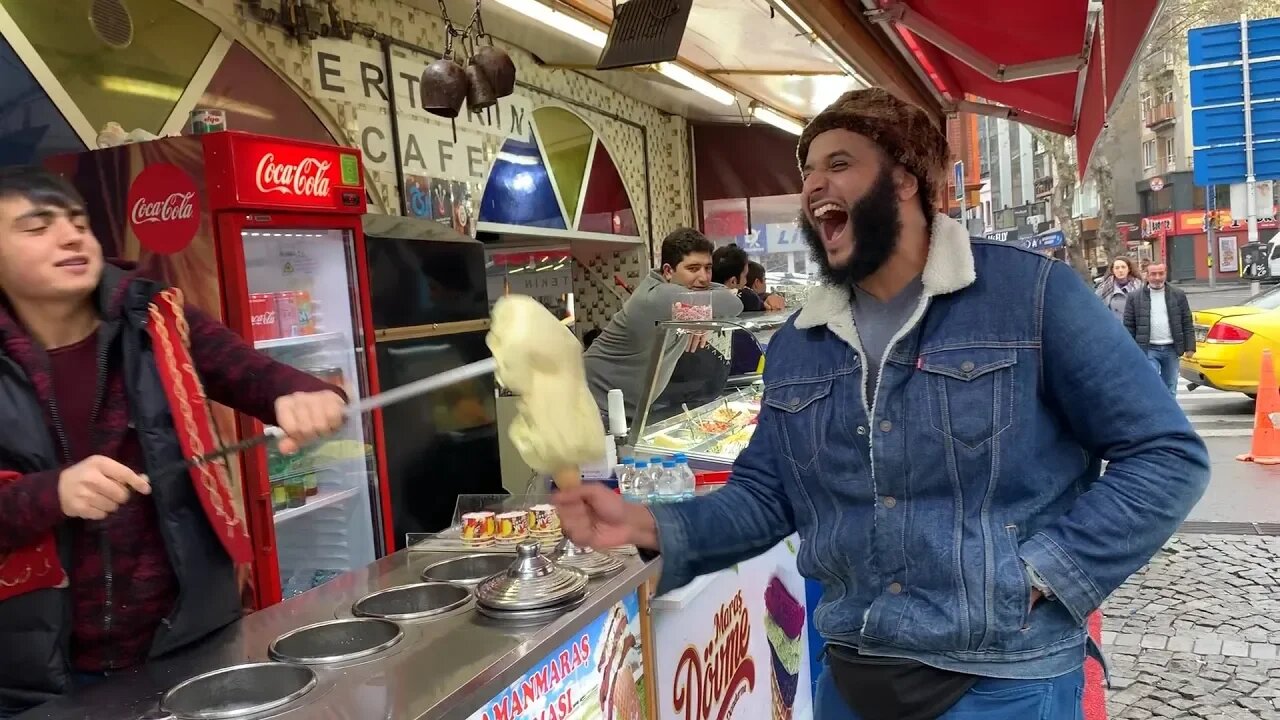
{"points": [[1149, 154], [1168, 153]]}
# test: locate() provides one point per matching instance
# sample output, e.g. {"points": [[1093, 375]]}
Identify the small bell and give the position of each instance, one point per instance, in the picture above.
{"points": [[498, 67], [480, 93], [444, 88]]}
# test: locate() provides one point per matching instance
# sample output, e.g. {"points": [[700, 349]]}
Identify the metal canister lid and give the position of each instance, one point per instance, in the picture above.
{"points": [[532, 581], [594, 564]]}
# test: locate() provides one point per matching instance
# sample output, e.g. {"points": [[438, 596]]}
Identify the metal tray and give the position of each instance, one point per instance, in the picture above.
{"points": [[468, 570], [336, 641], [418, 601], [237, 691]]}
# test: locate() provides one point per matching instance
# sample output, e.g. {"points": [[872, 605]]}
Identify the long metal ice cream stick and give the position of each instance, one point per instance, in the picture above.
{"points": [[353, 411]]}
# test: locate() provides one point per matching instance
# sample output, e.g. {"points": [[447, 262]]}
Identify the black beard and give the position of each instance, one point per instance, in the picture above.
{"points": [[875, 222]]}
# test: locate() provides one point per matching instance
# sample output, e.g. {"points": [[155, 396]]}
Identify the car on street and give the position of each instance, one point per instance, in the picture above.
{"points": [[1230, 341]]}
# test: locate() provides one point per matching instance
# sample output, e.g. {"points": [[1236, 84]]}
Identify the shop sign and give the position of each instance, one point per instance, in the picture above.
{"points": [[1046, 240], [1004, 235], [272, 173], [780, 237], [1157, 225], [354, 75], [597, 673], [738, 645], [164, 208]]}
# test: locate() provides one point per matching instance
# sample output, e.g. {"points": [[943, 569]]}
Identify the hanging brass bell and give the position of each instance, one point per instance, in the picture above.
{"points": [[444, 88], [498, 67], [480, 94]]}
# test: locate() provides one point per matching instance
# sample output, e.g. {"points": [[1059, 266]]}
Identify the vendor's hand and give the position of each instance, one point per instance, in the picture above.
{"points": [[592, 515], [697, 341], [308, 416], [774, 302], [1036, 596], [1189, 354], [97, 486]]}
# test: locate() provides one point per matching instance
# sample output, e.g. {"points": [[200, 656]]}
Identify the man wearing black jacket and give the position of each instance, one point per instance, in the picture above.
{"points": [[1159, 317]]}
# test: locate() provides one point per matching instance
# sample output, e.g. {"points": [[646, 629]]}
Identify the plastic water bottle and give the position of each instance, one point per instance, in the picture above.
{"points": [[627, 478], [688, 483], [670, 482], [642, 488]]}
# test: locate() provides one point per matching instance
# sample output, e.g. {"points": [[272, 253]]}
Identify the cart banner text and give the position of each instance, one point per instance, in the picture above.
{"points": [[598, 673]]}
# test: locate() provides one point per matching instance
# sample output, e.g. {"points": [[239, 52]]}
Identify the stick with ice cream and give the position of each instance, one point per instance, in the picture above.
{"points": [[557, 427]]}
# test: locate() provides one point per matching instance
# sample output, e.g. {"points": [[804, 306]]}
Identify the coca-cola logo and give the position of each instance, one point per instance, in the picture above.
{"points": [[308, 177], [164, 208], [263, 318]]}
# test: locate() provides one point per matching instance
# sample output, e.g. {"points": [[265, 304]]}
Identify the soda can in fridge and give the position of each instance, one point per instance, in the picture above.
{"points": [[264, 316], [287, 312], [306, 312]]}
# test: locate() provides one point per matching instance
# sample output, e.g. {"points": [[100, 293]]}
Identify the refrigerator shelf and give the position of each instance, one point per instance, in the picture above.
{"points": [[315, 502], [296, 340]]}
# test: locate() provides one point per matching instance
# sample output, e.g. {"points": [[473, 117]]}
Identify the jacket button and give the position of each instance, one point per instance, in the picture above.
{"points": [[895, 588], [885, 426], [890, 502], [966, 366], [795, 402], [862, 429]]}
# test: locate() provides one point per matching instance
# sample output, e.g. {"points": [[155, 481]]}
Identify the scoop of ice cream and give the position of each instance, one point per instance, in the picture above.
{"points": [[785, 610], [557, 423]]}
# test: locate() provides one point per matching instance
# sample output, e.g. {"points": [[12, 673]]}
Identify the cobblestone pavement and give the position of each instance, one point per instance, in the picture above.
{"points": [[1196, 634]]}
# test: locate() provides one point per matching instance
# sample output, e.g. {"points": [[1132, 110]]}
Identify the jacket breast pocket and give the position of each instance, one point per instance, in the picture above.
{"points": [[970, 392], [805, 411]]}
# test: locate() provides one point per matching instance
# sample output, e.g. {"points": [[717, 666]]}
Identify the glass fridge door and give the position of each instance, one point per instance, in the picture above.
{"points": [[302, 299]]}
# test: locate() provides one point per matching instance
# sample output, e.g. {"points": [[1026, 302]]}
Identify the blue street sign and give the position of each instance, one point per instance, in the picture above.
{"points": [[958, 174], [1047, 239], [753, 243], [1218, 101]]}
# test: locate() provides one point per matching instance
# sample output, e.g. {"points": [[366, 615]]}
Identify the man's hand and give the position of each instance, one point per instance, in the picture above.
{"points": [[697, 341], [1036, 596], [308, 416], [774, 302], [1189, 354], [594, 516], [97, 486]]}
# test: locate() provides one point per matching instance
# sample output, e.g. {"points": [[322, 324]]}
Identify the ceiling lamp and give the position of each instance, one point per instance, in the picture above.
{"points": [[552, 18], [696, 83], [767, 114]]}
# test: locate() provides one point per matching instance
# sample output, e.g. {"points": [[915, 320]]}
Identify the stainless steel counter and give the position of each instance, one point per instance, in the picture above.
{"points": [[443, 669]]}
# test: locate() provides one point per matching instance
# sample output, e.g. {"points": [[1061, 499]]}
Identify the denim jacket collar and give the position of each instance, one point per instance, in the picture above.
{"points": [[947, 269]]}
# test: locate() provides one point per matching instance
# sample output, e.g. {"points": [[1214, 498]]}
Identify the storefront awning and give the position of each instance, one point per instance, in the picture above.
{"points": [[1054, 64]]}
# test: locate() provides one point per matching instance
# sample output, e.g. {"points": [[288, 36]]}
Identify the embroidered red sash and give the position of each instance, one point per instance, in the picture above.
{"points": [[36, 567], [171, 342]]}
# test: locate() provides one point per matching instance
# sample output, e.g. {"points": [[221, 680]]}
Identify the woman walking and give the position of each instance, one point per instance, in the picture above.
{"points": [[1119, 284]]}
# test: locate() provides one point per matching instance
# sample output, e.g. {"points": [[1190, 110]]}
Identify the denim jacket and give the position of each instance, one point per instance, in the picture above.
{"points": [[980, 455]]}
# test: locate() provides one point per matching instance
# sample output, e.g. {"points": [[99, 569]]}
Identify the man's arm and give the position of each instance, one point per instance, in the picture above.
{"points": [[655, 306], [29, 509], [1131, 315], [747, 516], [1120, 411], [240, 377], [1188, 323]]}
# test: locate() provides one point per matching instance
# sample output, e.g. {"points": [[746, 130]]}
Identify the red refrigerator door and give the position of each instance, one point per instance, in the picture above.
{"points": [[293, 285]]}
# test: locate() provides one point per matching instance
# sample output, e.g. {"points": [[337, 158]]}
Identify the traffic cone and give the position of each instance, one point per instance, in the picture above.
{"points": [[1266, 436]]}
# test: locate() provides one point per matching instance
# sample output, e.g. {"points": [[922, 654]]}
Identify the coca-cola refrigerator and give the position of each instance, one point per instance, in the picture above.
{"points": [[265, 233]]}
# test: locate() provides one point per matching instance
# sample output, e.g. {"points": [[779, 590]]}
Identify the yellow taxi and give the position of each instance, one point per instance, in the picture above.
{"points": [[1230, 341]]}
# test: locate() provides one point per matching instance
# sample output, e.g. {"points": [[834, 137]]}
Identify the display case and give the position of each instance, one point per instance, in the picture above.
{"points": [[713, 434]]}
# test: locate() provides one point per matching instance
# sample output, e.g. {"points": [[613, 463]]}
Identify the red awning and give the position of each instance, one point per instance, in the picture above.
{"points": [[1026, 55]]}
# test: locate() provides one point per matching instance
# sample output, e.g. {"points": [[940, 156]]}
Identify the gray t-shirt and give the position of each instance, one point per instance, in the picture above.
{"points": [[878, 321]]}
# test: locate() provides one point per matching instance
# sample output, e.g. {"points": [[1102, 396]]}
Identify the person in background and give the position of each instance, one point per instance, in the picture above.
{"points": [[128, 565], [731, 267], [934, 425], [755, 283], [1159, 318], [1116, 288], [619, 357]]}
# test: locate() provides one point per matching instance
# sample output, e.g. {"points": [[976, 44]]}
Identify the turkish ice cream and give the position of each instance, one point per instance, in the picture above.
{"points": [[557, 424]]}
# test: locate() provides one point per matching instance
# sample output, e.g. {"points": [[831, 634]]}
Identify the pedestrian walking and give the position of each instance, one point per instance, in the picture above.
{"points": [[934, 425], [1159, 317], [1123, 280]]}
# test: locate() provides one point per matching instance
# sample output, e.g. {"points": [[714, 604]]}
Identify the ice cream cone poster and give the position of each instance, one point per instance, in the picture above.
{"points": [[598, 675], [736, 647]]}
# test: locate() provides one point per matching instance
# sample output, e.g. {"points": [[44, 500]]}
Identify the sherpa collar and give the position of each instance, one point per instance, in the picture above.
{"points": [[947, 268]]}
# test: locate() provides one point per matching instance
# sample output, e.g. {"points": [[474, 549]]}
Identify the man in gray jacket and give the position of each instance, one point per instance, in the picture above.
{"points": [[619, 357]]}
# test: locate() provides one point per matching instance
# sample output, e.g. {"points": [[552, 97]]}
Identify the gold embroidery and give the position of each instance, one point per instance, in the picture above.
{"points": [[219, 492]]}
